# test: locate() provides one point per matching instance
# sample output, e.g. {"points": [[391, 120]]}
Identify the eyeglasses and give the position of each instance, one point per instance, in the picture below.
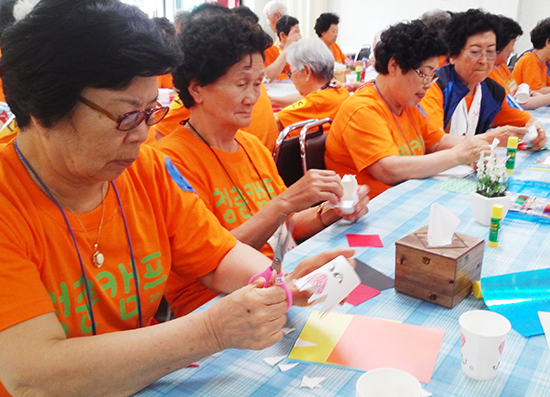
{"points": [[289, 74], [478, 54], [130, 120], [425, 78]]}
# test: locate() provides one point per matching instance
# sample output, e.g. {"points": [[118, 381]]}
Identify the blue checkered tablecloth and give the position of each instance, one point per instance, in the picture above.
{"points": [[524, 370]]}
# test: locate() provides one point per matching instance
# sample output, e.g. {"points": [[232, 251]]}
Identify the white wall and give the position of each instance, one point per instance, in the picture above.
{"points": [[530, 11]]}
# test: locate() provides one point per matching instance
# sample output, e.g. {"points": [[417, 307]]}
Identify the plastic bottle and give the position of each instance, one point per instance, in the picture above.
{"points": [[511, 149], [364, 69], [358, 71], [494, 231]]}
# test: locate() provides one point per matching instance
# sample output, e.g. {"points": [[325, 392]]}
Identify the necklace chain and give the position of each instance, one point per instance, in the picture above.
{"points": [[194, 132]]}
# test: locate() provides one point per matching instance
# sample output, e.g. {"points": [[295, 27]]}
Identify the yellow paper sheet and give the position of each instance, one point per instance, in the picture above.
{"points": [[324, 332], [545, 321]]}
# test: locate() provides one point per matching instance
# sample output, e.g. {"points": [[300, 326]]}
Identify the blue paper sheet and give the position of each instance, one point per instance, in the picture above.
{"points": [[519, 297]]}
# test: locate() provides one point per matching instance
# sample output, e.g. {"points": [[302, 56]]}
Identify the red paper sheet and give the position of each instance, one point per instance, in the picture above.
{"points": [[361, 294], [364, 240], [370, 343]]}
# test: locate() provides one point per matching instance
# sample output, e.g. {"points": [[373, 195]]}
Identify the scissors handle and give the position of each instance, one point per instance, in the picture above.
{"points": [[266, 274], [279, 281]]}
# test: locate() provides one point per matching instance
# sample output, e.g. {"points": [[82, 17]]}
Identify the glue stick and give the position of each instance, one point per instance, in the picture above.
{"points": [[511, 150], [476, 290], [494, 231], [358, 71]]}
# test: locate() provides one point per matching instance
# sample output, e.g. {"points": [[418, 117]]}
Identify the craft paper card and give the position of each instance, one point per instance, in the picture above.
{"points": [[364, 240], [324, 332], [330, 284], [519, 297], [458, 185], [372, 277], [370, 343], [361, 294], [545, 321]]}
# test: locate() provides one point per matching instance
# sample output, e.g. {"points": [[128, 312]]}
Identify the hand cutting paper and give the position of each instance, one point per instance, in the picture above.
{"points": [[443, 224], [330, 284]]}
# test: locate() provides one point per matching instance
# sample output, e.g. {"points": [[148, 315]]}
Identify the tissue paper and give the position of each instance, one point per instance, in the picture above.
{"points": [[442, 226]]}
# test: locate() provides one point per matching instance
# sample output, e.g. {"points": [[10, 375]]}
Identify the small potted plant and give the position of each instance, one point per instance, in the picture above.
{"points": [[491, 185]]}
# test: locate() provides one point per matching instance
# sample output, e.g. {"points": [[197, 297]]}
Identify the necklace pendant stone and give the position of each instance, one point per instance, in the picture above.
{"points": [[98, 259]]}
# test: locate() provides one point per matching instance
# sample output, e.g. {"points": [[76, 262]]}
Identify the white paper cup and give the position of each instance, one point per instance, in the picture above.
{"points": [[523, 93], [482, 336], [164, 95], [351, 78], [387, 382]]}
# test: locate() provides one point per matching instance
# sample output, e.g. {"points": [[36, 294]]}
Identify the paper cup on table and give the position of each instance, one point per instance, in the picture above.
{"points": [[482, 336], [388, 382], [523, 93], [351, 78]]}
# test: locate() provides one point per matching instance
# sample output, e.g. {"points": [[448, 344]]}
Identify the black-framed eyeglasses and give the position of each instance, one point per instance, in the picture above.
{"points": [[289, 74], [426, 79], [130, 120]]}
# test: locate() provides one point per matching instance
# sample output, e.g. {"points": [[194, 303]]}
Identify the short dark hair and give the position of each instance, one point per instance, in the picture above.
{"points": [[540, 34], [166, 27], [409, 43], [6, 14], [325, 21], [211, 44], [508, 31], [284, 24], [64, 46], [463, 25], [246, 13]]}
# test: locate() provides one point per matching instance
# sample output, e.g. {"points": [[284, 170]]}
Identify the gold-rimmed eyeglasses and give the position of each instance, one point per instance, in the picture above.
{"points": [[130, 120], [426, 79]]}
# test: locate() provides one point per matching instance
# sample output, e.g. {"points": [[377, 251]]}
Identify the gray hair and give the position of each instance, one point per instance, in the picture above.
{"points": [[274, 7], [314, 53]]}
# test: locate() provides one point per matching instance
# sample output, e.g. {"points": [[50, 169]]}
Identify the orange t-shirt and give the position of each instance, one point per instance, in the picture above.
{"points": [[530, 70], [339, 56], [9, 131], [502, 76], [234, 191], [442, 61], [432, 103], [364, 132], [271, 54], [170, 230], [317, 104], [262, 124], [165, 81]]}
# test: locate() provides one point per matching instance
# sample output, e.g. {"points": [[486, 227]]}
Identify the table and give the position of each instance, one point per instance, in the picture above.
{"points": [[525, 368]]}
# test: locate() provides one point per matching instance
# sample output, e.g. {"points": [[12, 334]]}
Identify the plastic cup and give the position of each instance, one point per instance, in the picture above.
{"points": [[523, 93], [482, 336], [388, 382]]}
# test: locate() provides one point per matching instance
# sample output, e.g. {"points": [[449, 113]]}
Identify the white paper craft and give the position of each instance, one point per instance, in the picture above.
{"points": [[274, 360], [304, 343], [286, 367], [311, 383], [442, 226], [350, 197], [494, 144], [287, 331], [330, 284]]}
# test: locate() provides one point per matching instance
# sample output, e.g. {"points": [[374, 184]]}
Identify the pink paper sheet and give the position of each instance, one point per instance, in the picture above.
{"points": [[364, 240], [370, 343], [361, 294]]}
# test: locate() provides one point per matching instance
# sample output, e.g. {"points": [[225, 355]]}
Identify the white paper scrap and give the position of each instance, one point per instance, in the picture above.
{"points": [[425, 393], [273, 360], [286, 367], [545, 321], [304, 343], [287, 331], [494, 144], [311, 383]]}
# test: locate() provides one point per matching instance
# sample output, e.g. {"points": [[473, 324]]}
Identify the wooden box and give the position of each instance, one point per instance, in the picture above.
{"points": [[442, 275]]}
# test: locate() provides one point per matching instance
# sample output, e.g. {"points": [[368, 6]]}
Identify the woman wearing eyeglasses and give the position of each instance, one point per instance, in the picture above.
{"points": [[311, 70], [380, 134], [92, 222], [465, 101]]}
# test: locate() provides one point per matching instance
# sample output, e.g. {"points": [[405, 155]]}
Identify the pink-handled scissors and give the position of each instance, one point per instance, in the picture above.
{"points": [[278, 255]]}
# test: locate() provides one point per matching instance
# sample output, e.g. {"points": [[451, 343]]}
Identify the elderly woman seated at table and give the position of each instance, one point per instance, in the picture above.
{"points": [[92, 223], [507, 35], [230, 169], [380, 133], [326, 28], [311, 71], [465, 101]]}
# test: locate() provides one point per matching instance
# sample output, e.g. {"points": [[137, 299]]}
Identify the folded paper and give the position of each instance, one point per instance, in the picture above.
{"points": [[286, 367], [442, 226], [274, 360], [311, 383]]}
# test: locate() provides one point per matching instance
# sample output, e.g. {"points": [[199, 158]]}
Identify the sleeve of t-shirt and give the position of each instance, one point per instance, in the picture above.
{"points": [[431, 132], [369, 141], [528, 71], [510, 116], [303, 109], [432, 104]]}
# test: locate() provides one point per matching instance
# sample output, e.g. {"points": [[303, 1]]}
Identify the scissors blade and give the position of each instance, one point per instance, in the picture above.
{"points": [[284, 233]]}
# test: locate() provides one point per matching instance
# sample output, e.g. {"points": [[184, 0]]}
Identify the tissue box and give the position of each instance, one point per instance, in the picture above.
{"points": [[442, 275], [340, 75]]}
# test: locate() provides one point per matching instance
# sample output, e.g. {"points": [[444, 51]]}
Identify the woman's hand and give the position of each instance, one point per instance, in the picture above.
{"points": [[469, 150], [308, 265], [249, 318], [314, 187], [361, 207], [540, 141]]}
